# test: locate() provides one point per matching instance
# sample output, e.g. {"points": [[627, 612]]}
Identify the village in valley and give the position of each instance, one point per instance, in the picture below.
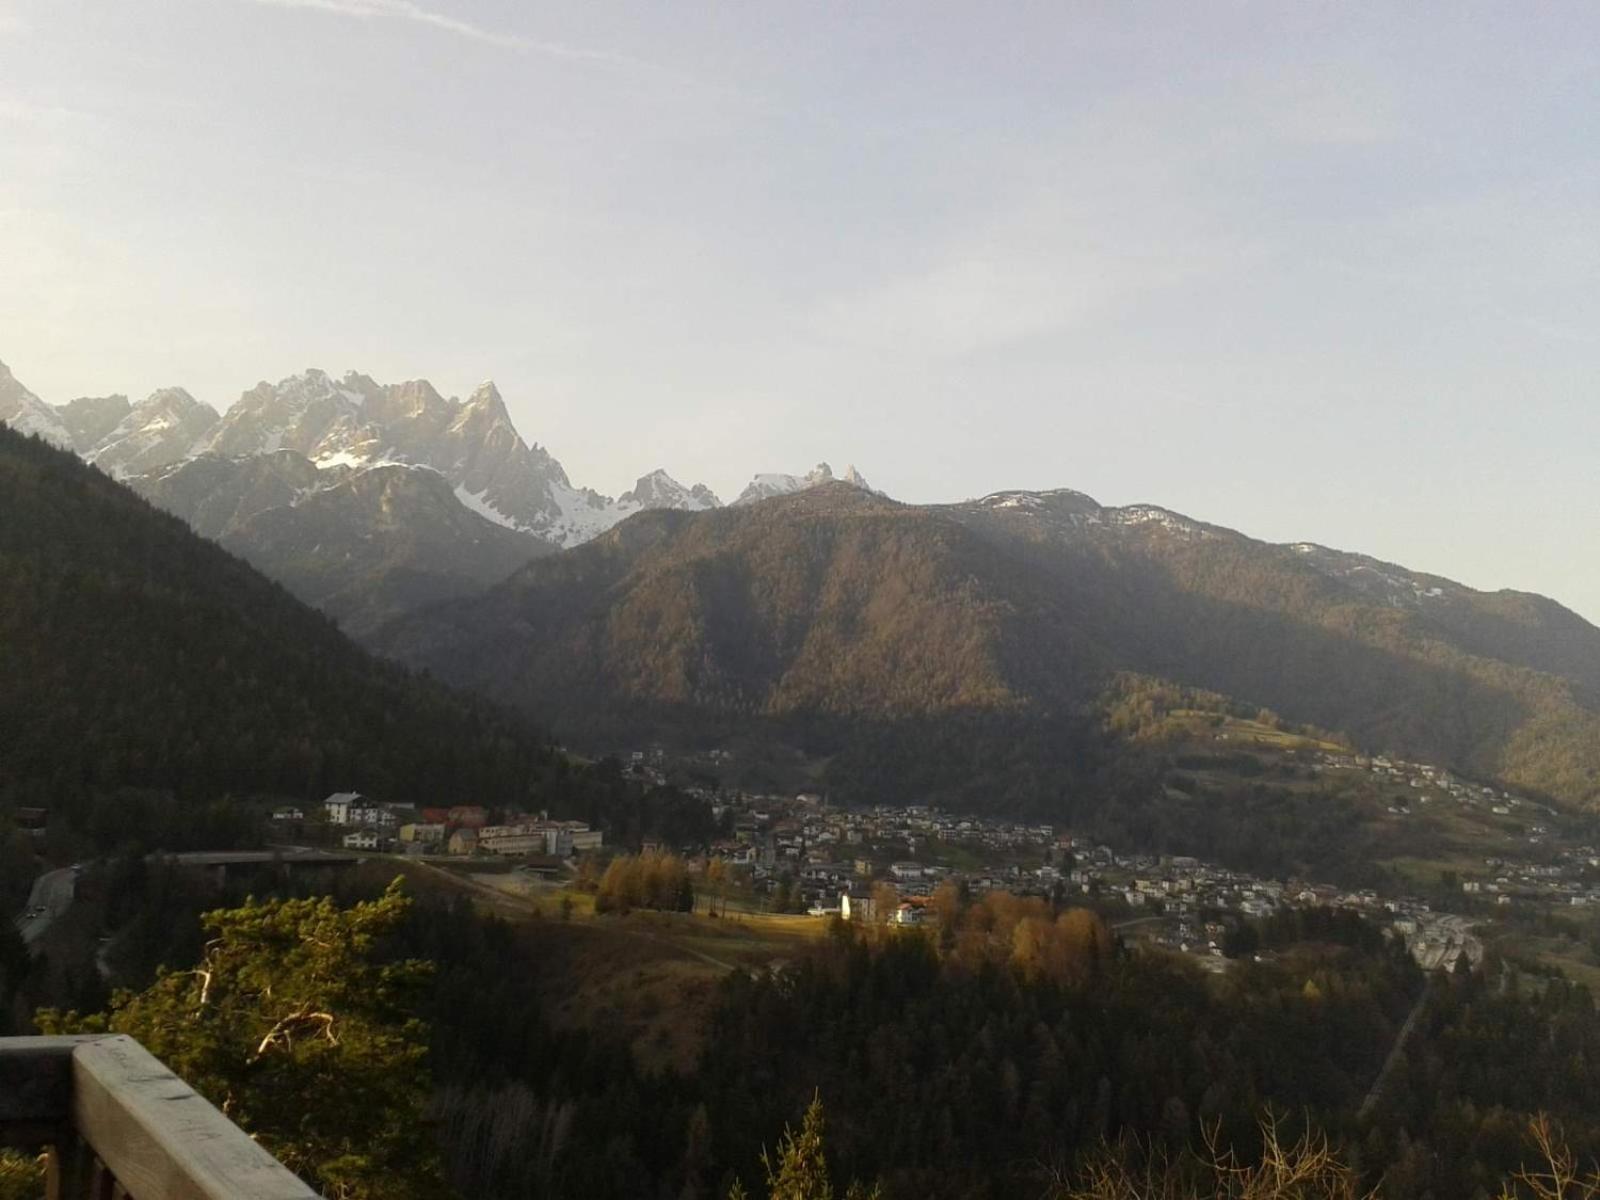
{"points": [[883, 864]]}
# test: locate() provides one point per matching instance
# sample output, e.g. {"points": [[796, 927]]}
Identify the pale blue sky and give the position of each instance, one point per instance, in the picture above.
{"points": [[1316, 271]]}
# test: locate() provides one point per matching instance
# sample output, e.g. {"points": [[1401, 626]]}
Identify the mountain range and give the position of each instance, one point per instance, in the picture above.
{"points": [[918, 648], [364, 499]]}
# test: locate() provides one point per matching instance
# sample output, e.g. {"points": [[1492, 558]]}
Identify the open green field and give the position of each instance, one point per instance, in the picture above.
{"points": [[652, 975], [1239, 731]]}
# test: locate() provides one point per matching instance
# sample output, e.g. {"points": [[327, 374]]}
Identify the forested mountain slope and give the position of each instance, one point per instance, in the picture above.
{"points": [[849, 625], [831, 602], [1501, 685], [135, 653]]}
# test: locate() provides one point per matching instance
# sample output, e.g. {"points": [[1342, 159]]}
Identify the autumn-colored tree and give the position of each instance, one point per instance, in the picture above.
{"points": [[885, 900], [651, 880], [947, 903], [717, 882], [295, 1027]]}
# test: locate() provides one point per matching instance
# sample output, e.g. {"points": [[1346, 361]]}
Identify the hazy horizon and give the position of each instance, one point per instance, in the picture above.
{"points": [[1314, 274]]}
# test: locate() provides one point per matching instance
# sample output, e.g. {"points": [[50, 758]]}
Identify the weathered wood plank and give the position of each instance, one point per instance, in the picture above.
{"points": [[162, 1139], [71, 1170]]}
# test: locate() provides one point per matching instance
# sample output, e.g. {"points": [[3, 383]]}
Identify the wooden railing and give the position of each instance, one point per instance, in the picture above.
{"points": [[116, 1123]]}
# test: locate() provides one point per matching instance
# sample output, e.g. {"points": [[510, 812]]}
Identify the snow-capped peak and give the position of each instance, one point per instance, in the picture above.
{"points": [[293, 414], [26, 413], [660, 490], [158, 431], [764, 487], [354, 423]]}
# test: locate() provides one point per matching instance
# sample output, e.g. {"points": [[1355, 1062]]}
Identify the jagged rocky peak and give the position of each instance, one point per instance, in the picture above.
{"points": [[90, 419], [342, 425], [764, 487], [409, 402], [164, 427], [292, 414], [484, 417], [487, 395], [660, 490], [26, 413]]}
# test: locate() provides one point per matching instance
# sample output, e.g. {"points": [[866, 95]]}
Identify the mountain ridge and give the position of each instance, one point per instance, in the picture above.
{"points": [[785, 610], [356, 422]]}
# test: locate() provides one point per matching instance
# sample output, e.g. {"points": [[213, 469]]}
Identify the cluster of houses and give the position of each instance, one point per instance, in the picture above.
{"points": [[832, 858], [838, 861], [1573, 879], [1568, 873], [460, 829], [1424, 783]]}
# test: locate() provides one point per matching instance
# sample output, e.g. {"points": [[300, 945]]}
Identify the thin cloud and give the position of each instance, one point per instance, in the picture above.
{"points": [[407, 10]]}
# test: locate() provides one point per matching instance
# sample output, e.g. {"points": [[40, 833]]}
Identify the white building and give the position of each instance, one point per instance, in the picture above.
{"points": [[855, 908], [338, 806]]}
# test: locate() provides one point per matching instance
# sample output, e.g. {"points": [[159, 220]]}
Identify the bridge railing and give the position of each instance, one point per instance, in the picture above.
{"points": [[118, 1124]]}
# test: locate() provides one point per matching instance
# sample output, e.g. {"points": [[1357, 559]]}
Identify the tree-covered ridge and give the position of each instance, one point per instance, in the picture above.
{"points": [[866, 632], [1499, 685], [831, 602], [1005, 1048], [134, 653]]}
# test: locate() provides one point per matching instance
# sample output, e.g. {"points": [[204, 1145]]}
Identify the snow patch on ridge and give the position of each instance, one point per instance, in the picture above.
{"points": [[475, 501], [342, 458], [766, 486]]}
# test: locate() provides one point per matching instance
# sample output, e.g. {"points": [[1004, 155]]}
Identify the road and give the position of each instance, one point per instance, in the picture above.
{"points": [[1395, 1051], [51, 896]]}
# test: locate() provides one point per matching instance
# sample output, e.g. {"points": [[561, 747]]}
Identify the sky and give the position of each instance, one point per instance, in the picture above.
{"points": [[1320, 272]]}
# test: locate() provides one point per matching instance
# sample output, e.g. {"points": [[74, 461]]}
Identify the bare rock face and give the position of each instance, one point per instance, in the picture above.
{"points": [[356, 423], [764, 487], [160, 430], [26, 413], [90, 419], [337, 426]]}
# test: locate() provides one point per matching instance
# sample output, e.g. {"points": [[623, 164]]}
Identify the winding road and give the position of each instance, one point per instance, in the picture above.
{"points": [[51, 896]]}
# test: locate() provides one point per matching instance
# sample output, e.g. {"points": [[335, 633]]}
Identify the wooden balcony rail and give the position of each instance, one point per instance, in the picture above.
{"points": [[117, 1124]]}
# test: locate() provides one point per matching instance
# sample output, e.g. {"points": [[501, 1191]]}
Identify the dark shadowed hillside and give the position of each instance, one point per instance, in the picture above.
{"points": [[384, 542], [364, 549], [135, 653]]}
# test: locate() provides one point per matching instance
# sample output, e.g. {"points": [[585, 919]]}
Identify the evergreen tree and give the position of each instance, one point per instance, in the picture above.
{"points": [[294, 1026], [800, 1169]]}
